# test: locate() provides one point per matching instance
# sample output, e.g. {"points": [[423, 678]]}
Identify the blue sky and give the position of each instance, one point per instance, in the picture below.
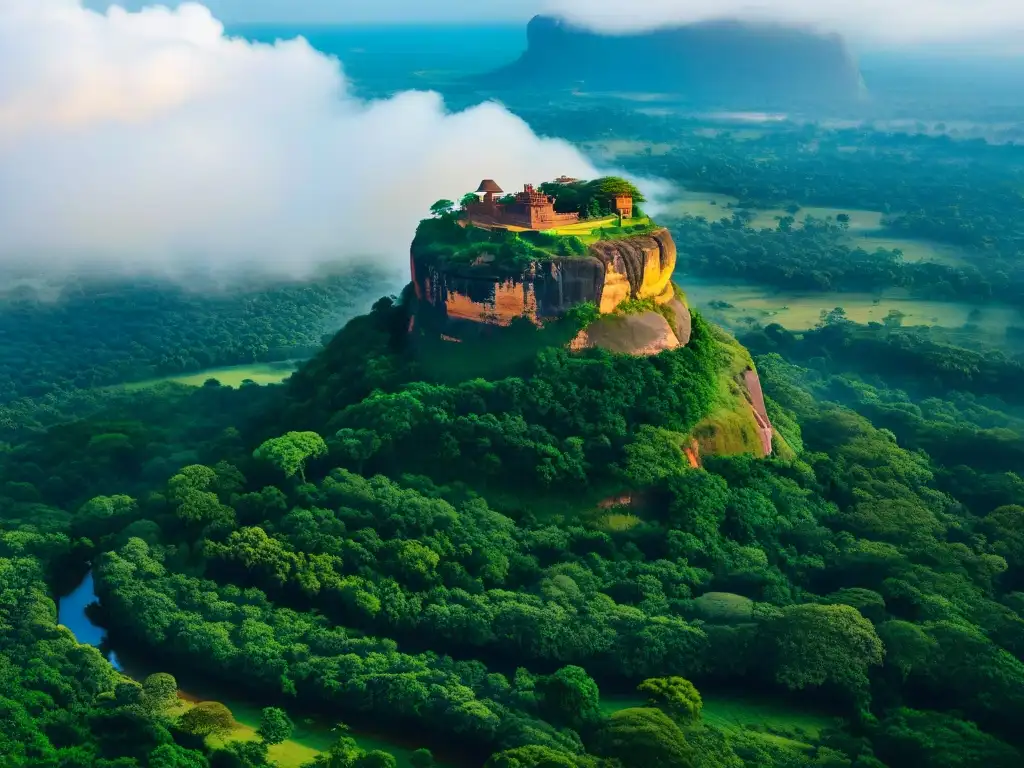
{"points": [[350, 11]]}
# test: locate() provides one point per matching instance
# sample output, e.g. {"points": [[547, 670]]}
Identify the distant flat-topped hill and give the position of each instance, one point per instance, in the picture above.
{"points": [[721, 63]]}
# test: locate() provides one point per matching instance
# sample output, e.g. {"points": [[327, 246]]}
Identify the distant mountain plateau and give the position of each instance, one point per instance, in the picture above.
{"points": [[721, 63]]}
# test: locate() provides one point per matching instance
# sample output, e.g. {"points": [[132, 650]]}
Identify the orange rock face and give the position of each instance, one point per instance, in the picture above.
{"points": [[511, 299], [636, 268], [458, 297]]}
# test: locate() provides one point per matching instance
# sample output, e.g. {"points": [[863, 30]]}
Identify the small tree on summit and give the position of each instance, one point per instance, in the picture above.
{"points": [[468, 199], [442, 208], [290, 452], [612, 186]]}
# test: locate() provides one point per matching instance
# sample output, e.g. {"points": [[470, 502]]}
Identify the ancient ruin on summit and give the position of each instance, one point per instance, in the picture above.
{"points": [[531, 209]]}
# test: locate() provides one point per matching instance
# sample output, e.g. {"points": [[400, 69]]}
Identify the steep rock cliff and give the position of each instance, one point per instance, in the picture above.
{"points": [[458, 298], [488, 305], [726, 63]]}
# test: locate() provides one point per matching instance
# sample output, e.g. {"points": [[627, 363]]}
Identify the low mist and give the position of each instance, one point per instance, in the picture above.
{"points": [[151, 142], [885, 22]]}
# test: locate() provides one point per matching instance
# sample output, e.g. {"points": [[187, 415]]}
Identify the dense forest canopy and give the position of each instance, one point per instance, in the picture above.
{"points": [[84, 333], [524, 570]]}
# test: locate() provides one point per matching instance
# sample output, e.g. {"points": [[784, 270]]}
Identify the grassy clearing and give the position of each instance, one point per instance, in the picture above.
{"points": [[590, 231], [613, 148], [729, 431], [738, 712], [309, 739], [861, 221], [618, 522], [737, 134], [801, 311], [790, 726], [304, 745], [586, 227], [915, 250], [229, 376], [711, 205]]}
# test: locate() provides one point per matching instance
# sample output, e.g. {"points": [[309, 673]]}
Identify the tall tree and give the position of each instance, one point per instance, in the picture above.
{"points": [[275, 726], [290, 452]]}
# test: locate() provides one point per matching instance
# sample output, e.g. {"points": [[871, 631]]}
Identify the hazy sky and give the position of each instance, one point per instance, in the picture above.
{"points": [[358, 10], [881, 21], [149, 140], [885, 22]]}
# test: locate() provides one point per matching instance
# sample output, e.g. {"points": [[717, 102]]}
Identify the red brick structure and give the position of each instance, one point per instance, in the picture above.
{"points": [[531, 209]]}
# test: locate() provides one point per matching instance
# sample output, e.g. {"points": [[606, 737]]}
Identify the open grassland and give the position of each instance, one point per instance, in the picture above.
{"points": [[737, 134], [229, 376], [915, 250], [309, 739], [613, 148], [711, 205], [860, 221], [714, 206], [800, 311], [866, 230]]}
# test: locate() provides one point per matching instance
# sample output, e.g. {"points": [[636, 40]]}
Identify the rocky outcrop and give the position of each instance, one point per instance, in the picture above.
{"points": [[719, 63], [637, 268], [752, 385], [473, 302], [643, 335], [682, 322], [457, 298]]}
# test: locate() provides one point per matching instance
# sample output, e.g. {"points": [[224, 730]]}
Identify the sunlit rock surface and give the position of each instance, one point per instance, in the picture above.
{"points": [[485, 293]]}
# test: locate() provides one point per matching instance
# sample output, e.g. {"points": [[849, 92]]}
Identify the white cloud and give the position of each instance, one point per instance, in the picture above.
{"points": [[888, 21], [149, 140], [349, 11]]}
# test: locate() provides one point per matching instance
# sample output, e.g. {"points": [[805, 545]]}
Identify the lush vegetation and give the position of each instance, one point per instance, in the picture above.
{"points": [[523, 570], [84, 334], [819, 255], [443, 238], [850, 573], [961, 193], [592, 199]]}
